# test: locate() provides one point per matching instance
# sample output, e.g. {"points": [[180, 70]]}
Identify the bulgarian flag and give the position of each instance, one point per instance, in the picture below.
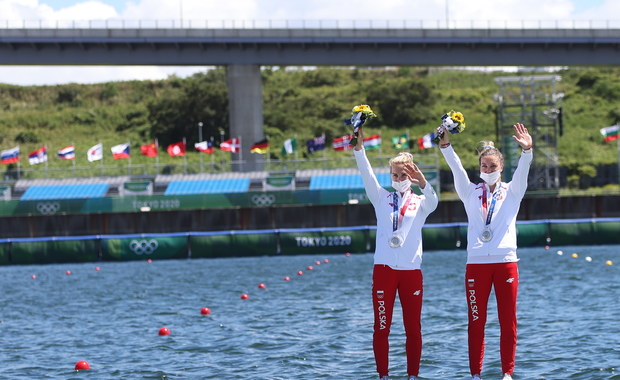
{"points": [[611, 133], [372, 142]]}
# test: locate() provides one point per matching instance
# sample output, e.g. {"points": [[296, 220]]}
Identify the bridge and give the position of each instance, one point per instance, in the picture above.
{"points": [[245, 50]]}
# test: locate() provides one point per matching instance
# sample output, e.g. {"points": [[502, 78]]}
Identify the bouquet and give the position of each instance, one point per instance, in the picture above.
{"points": [[359, 115], [453, 121]]}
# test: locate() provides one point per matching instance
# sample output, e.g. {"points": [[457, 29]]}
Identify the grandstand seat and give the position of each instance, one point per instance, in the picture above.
{"points": [[349, 181], [208, 186], [77, 191]]}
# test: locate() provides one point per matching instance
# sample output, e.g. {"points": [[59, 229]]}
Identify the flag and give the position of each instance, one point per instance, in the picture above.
{"points": [[342, 143], [260, 147], [611, 133], [317, 143], [289, 146], [38, 156], [10, 156], [426, 141], [372, 142], [67, 153], [400, 142], [149, 150], [204, 147], [231, 145], [95, 153], [120, 151], [176, 149]]}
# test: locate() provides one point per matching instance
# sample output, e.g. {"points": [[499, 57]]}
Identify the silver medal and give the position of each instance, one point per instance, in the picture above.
{"points": [[486, 235], [396, 241]]}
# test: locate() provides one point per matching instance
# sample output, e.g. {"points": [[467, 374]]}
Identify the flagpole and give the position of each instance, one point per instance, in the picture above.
{"points": [[213, 154], [156, 156], [185, 158], [240, 153], [73, 158], [618, 141], [324, 149], [18, 162], [46, 167], [199, 141], [101, 163], [296, 154], [129, 161]]}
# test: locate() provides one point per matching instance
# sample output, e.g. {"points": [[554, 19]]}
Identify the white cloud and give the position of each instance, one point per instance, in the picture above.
{"points": [[198, 11]]}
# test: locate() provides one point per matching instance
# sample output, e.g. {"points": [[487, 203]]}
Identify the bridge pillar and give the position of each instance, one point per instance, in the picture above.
{"points": [[245, 105]]}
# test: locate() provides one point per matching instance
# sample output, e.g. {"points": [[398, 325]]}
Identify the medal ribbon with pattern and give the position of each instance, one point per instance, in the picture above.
{"points": [[397, 217]]}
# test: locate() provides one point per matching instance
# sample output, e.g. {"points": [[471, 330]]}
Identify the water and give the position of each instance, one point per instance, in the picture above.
{"points": [[315, 326]]}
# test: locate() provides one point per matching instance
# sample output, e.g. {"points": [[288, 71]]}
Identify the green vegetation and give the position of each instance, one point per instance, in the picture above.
{"points": [[297, 103]]}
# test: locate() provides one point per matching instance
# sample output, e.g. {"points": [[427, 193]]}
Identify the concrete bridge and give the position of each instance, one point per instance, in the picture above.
{"points": [[244, 50]]}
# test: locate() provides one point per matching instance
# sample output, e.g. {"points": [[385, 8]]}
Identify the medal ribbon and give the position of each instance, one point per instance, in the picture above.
{"points": [[396, 216], [484, 202]]}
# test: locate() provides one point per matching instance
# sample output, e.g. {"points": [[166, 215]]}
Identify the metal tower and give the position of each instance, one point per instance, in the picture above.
{"points": [[533, 101]]}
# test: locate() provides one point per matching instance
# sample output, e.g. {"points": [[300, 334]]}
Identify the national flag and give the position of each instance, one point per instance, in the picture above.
{"points": [[120, 151], [67, 153], [204, 147], [400, 142], [38, 156], [149, 150], [176, 149], [317, 143], [372, 142], [95, 153], [289, 146], [426, 141], [231, 145], [10, 156], [260, 147], [342, 143], [611, 133]]}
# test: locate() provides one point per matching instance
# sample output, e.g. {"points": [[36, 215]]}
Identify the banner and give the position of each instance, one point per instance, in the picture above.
{"points": [[279, 183], [136, 188]]}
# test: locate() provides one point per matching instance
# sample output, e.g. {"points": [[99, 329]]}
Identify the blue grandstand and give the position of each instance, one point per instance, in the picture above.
{"points": [[77, 191], [208, 186], [345, 181]]}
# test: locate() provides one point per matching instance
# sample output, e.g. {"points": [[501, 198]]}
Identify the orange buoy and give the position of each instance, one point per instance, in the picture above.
{"points": [[82, 364], [164, 331]]}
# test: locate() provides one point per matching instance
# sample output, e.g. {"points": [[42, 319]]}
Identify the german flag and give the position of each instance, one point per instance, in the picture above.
{"points": [[260, 147]]}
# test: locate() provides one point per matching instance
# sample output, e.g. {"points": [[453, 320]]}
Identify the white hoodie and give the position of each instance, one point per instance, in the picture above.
{"points": [[409, 255], [503, 246]]}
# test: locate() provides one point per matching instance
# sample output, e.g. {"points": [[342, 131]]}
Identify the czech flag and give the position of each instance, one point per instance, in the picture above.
{"points": [[67, 153], [10, 156], [260, 147], [149, 150], [176, 149], [38, 156], [231, 145], [120, 151], [204, 147]]}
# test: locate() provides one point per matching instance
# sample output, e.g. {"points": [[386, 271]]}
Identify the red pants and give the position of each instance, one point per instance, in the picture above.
{"points": [[478, 281], [385, 282]]}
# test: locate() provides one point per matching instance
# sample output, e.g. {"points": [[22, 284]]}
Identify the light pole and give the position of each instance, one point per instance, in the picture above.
{"points": [[199, 141]]}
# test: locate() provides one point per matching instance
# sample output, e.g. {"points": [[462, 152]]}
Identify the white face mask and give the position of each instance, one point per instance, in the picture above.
{"points": [[401, 186], [491, 178]]}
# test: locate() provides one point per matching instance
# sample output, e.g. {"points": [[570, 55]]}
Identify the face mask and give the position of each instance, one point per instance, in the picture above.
{"points": [[491, 178], [401, 186]]}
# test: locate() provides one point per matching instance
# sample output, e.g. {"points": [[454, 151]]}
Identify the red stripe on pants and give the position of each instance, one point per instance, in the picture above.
{"points": [[479, 278], [409, 285]]}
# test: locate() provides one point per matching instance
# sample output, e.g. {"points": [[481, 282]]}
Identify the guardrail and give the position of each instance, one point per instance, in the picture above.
{"points": [[309, 24]]}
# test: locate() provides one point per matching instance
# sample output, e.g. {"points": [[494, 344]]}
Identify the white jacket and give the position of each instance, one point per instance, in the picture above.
{"points": [[409, 255], [503, 245]]}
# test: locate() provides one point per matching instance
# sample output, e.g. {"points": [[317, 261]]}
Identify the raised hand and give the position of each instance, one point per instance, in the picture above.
{"points": [[522, 136], [445, 138], [415, 175], [360, 140]]}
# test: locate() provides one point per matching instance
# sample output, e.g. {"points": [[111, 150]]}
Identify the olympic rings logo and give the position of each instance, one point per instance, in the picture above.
{"points": [[263, 199], [143, 247], [48, 208]]}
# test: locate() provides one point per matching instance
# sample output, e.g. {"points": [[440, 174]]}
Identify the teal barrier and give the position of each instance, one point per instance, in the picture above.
{"points": [[284, 241]]}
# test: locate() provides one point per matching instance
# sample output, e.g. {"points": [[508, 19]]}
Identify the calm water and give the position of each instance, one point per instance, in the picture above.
{"points": [[315, 326]]}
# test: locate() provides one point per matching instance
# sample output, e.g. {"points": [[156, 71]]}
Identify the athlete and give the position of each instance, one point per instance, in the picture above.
{"points": [[491, 208], [398, 253]]}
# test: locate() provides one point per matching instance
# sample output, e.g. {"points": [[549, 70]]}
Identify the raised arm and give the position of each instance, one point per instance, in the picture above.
{"points": [[519, 178], [461, 180], [371, 185]]}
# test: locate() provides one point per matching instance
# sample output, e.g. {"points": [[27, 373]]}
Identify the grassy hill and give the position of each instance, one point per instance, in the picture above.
{"points": [[297, 103]]}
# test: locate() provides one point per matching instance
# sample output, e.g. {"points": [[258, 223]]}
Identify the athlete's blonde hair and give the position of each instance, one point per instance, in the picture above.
{"points": [[401, 158], [487, 148]]}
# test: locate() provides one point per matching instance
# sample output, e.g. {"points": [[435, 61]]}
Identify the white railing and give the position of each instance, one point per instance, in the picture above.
{"points": [[309, 24]]}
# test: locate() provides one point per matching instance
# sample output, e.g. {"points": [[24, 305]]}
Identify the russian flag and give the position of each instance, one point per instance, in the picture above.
{"points": [[120, 151], [10, 156], [67, 153], [38, 156]]}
